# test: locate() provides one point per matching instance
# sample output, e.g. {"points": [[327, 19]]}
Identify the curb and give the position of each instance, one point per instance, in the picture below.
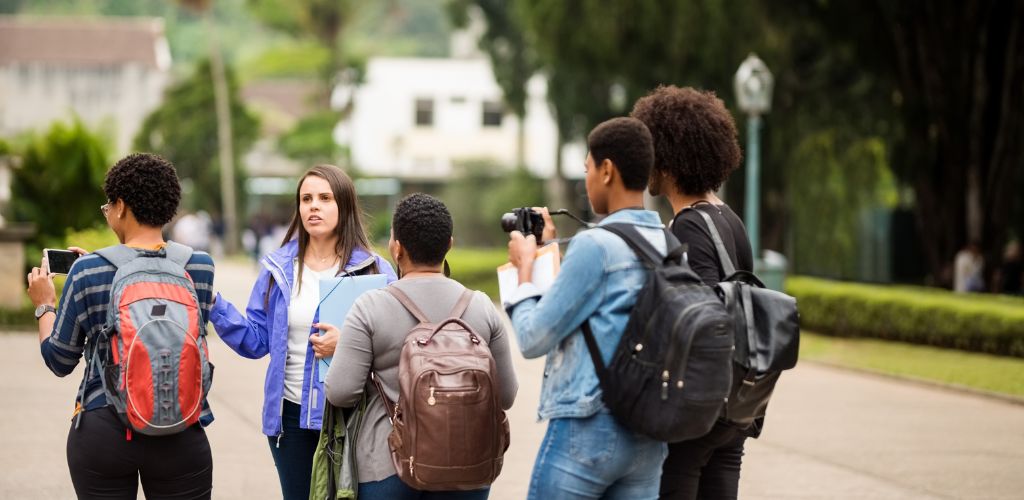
{"points": [[934, 384]]}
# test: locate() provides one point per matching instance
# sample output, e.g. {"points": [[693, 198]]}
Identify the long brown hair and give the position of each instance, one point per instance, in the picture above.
{"points": [[350, 229]]}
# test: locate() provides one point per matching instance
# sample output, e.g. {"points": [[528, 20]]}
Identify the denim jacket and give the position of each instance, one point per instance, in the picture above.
{"points": [[264, 330], [599, 280]]}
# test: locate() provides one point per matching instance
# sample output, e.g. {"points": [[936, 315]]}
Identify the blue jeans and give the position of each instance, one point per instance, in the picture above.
{"points": [[595, 457], [392, 488], [293, 454]]}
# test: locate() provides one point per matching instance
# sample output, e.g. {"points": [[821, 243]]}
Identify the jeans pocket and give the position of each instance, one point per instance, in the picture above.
{"points": [[592, 440]]}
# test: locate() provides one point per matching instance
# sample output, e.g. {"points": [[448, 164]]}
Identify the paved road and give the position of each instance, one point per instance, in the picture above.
{"points": [[831, 434]]}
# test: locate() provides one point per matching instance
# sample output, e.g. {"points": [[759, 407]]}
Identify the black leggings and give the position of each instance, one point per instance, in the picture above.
{"points": [[104, 464], [706, 468]]}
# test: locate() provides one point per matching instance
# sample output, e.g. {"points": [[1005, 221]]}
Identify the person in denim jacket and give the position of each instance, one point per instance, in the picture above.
{"points": [[586, 453], [325, 239]]}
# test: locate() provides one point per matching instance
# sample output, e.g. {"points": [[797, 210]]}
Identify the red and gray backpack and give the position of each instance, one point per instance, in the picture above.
{"points": [[152, 354]]}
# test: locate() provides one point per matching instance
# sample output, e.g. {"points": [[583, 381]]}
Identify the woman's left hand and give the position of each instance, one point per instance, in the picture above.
{"points": [[324, 344]]}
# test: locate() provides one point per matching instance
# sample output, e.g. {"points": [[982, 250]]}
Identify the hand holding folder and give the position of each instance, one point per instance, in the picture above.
{"points": [[337, 295], [545, 269]]}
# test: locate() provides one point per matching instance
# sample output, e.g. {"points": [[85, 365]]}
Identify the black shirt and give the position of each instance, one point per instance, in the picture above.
{"points": [[689, 227]]}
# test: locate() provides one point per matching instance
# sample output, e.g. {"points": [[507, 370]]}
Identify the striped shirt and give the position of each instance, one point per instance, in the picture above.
{"points": [[82, 313]]}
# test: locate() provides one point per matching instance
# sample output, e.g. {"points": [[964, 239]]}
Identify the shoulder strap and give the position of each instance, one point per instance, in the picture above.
{"points": [[178, 253], [462, 304], [595, 352], [407, 303], [643, 248], [390, 407], [723, 256], [118, 255]]}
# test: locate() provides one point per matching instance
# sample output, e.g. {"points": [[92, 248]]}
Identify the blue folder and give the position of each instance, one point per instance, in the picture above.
{"points": [[336, 298]]}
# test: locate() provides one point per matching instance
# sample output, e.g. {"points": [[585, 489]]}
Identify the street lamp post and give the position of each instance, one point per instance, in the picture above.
{"points": [[753, 84]]}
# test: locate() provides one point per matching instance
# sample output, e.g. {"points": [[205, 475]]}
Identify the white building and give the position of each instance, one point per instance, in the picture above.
{"points": [[111, 72], [414, 118]]}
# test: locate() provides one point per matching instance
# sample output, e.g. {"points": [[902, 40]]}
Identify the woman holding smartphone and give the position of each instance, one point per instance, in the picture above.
{"points": [[104, 457], [325, 239]]}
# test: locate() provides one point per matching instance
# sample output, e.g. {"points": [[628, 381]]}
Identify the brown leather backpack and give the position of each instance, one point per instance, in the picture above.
{"points": [[450, 432]]}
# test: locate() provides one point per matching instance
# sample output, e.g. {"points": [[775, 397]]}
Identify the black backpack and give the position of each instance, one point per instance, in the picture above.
{"points": [[767, 333], [671, 371]]}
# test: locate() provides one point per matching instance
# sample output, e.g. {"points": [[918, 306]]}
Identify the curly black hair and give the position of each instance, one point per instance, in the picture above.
{"points": [[148, 184], [423, 225], [628, 144], [694, 137]]}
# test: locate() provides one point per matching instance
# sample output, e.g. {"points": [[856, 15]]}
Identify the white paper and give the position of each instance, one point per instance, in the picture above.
{"points": [[545, 269]]}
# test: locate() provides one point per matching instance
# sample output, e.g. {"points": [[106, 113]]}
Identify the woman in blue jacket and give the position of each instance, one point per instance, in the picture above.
{"points": [[325, 239]]}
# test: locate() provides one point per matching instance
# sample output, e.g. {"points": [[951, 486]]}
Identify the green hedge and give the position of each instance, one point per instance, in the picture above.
{"points": [[17, 319], [477, 268], [928, 316]]}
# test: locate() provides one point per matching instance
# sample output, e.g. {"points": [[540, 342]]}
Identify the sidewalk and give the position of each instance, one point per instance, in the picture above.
{"points": [[830, 434]]}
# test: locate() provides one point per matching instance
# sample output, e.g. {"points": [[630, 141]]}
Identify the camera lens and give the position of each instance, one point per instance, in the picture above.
{"points": [[508, 222]]}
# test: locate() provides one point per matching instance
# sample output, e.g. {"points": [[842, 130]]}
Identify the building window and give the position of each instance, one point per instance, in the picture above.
{"points": [[424, 112], [493, 113]]}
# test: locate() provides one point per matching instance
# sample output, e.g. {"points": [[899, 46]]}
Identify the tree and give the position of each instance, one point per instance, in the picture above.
{"points": [[184, 131], [602, 56], [322, 20], [955, 70], [59, 185], [512, 59]]}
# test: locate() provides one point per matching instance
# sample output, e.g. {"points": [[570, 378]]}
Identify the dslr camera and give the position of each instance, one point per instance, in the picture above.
{"points": [[525, 220]]}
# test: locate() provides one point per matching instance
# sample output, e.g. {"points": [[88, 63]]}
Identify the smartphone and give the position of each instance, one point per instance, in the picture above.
{"points": [[59, 261]]}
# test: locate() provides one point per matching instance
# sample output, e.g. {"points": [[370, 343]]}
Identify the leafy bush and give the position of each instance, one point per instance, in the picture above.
{"points": [[59, 185], [915, 315], [19, 319], [91, 239], [477, 268], [311, 140], [480, 193]]}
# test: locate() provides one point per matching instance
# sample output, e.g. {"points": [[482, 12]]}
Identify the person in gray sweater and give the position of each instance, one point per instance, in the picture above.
{"points": [[375, 329]]}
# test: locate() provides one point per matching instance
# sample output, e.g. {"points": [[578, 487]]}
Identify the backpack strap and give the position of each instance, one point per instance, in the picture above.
{"points": [[390, 407], [462, 304], [646, 252], [643, 248], [595, 352], [407, 303], [178, 253], [118, 255], [723, 256]]}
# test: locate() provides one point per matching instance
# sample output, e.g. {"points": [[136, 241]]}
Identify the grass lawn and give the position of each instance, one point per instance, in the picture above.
{"points": [[985, 372]]}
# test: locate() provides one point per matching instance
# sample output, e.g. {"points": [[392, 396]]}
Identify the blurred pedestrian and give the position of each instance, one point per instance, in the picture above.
{"points": [[1011, 271], [968, 267]]}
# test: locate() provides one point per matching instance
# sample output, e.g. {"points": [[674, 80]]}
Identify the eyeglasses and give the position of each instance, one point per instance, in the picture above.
{"points": [[104, 208]]}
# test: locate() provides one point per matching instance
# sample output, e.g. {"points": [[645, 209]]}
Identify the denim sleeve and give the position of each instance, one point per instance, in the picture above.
{"points": [[248, 335], [63, 349], [541, 323]]}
